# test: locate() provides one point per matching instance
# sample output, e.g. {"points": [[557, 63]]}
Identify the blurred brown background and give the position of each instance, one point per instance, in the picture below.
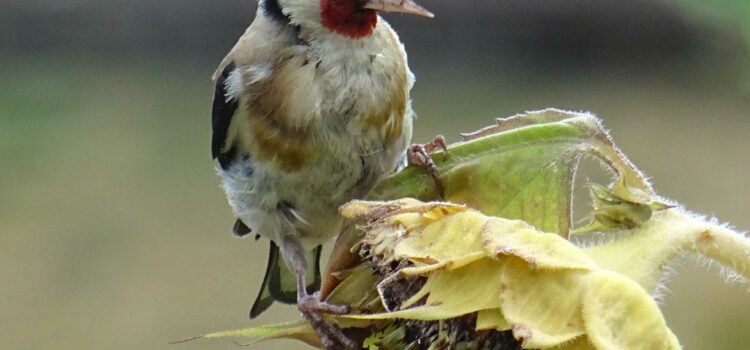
{"points": [[114, 233]]}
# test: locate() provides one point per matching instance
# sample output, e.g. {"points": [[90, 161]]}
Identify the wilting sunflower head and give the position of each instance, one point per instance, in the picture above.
{"points": [[446, 274]]}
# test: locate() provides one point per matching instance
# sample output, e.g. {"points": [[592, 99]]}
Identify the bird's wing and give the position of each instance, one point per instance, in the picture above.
{"points": [[240, 76], [222, 112], [280, 284], [262, 99]]}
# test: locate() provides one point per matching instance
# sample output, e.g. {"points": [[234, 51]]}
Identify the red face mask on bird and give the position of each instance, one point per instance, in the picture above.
{"points": [[357, 18]]}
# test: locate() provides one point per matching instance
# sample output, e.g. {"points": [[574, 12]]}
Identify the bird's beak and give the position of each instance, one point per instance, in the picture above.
{"points": [[405, 6]]}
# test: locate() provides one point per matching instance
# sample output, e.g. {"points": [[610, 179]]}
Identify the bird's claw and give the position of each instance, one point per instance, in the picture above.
{"points": [[312, 308], [313, 303], [419, 155]]}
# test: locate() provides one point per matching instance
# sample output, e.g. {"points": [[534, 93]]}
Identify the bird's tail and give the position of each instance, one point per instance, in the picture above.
{"points": [[280, 284]]}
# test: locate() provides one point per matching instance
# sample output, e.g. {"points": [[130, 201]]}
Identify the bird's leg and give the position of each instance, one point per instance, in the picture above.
{"points": [[419, 155], [311, 307]]}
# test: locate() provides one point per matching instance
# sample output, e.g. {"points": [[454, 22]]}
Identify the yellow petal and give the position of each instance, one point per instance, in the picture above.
{"points": [[580, 343], [372, 209], [620, 315], [452, 264], [451, 237], [453, 293], [491, 319], [540, 250], [542, 306]]}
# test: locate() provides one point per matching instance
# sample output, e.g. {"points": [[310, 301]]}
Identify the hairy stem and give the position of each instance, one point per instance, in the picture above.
{"points": [[643, 254]]}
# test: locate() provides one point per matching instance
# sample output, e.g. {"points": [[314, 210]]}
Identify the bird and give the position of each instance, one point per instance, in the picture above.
{"points": [[311, 109]]}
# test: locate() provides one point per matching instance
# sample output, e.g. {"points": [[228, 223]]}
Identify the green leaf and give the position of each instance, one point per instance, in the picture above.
{"points": [[521, 168], [300, 330], [357, 288]]}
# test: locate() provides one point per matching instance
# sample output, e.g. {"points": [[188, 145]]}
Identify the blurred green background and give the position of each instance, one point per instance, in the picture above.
{"points": [[114, 233]]}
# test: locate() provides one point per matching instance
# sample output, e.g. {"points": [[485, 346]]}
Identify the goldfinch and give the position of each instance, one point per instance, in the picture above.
{"points": [[311, 109]]}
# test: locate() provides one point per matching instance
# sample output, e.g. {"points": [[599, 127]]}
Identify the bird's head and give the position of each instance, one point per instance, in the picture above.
{"points": [[351, 18]]}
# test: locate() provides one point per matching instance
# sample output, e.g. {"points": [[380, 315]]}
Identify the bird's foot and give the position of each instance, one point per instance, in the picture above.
{"points": [[419, 155], [331, 336]]}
